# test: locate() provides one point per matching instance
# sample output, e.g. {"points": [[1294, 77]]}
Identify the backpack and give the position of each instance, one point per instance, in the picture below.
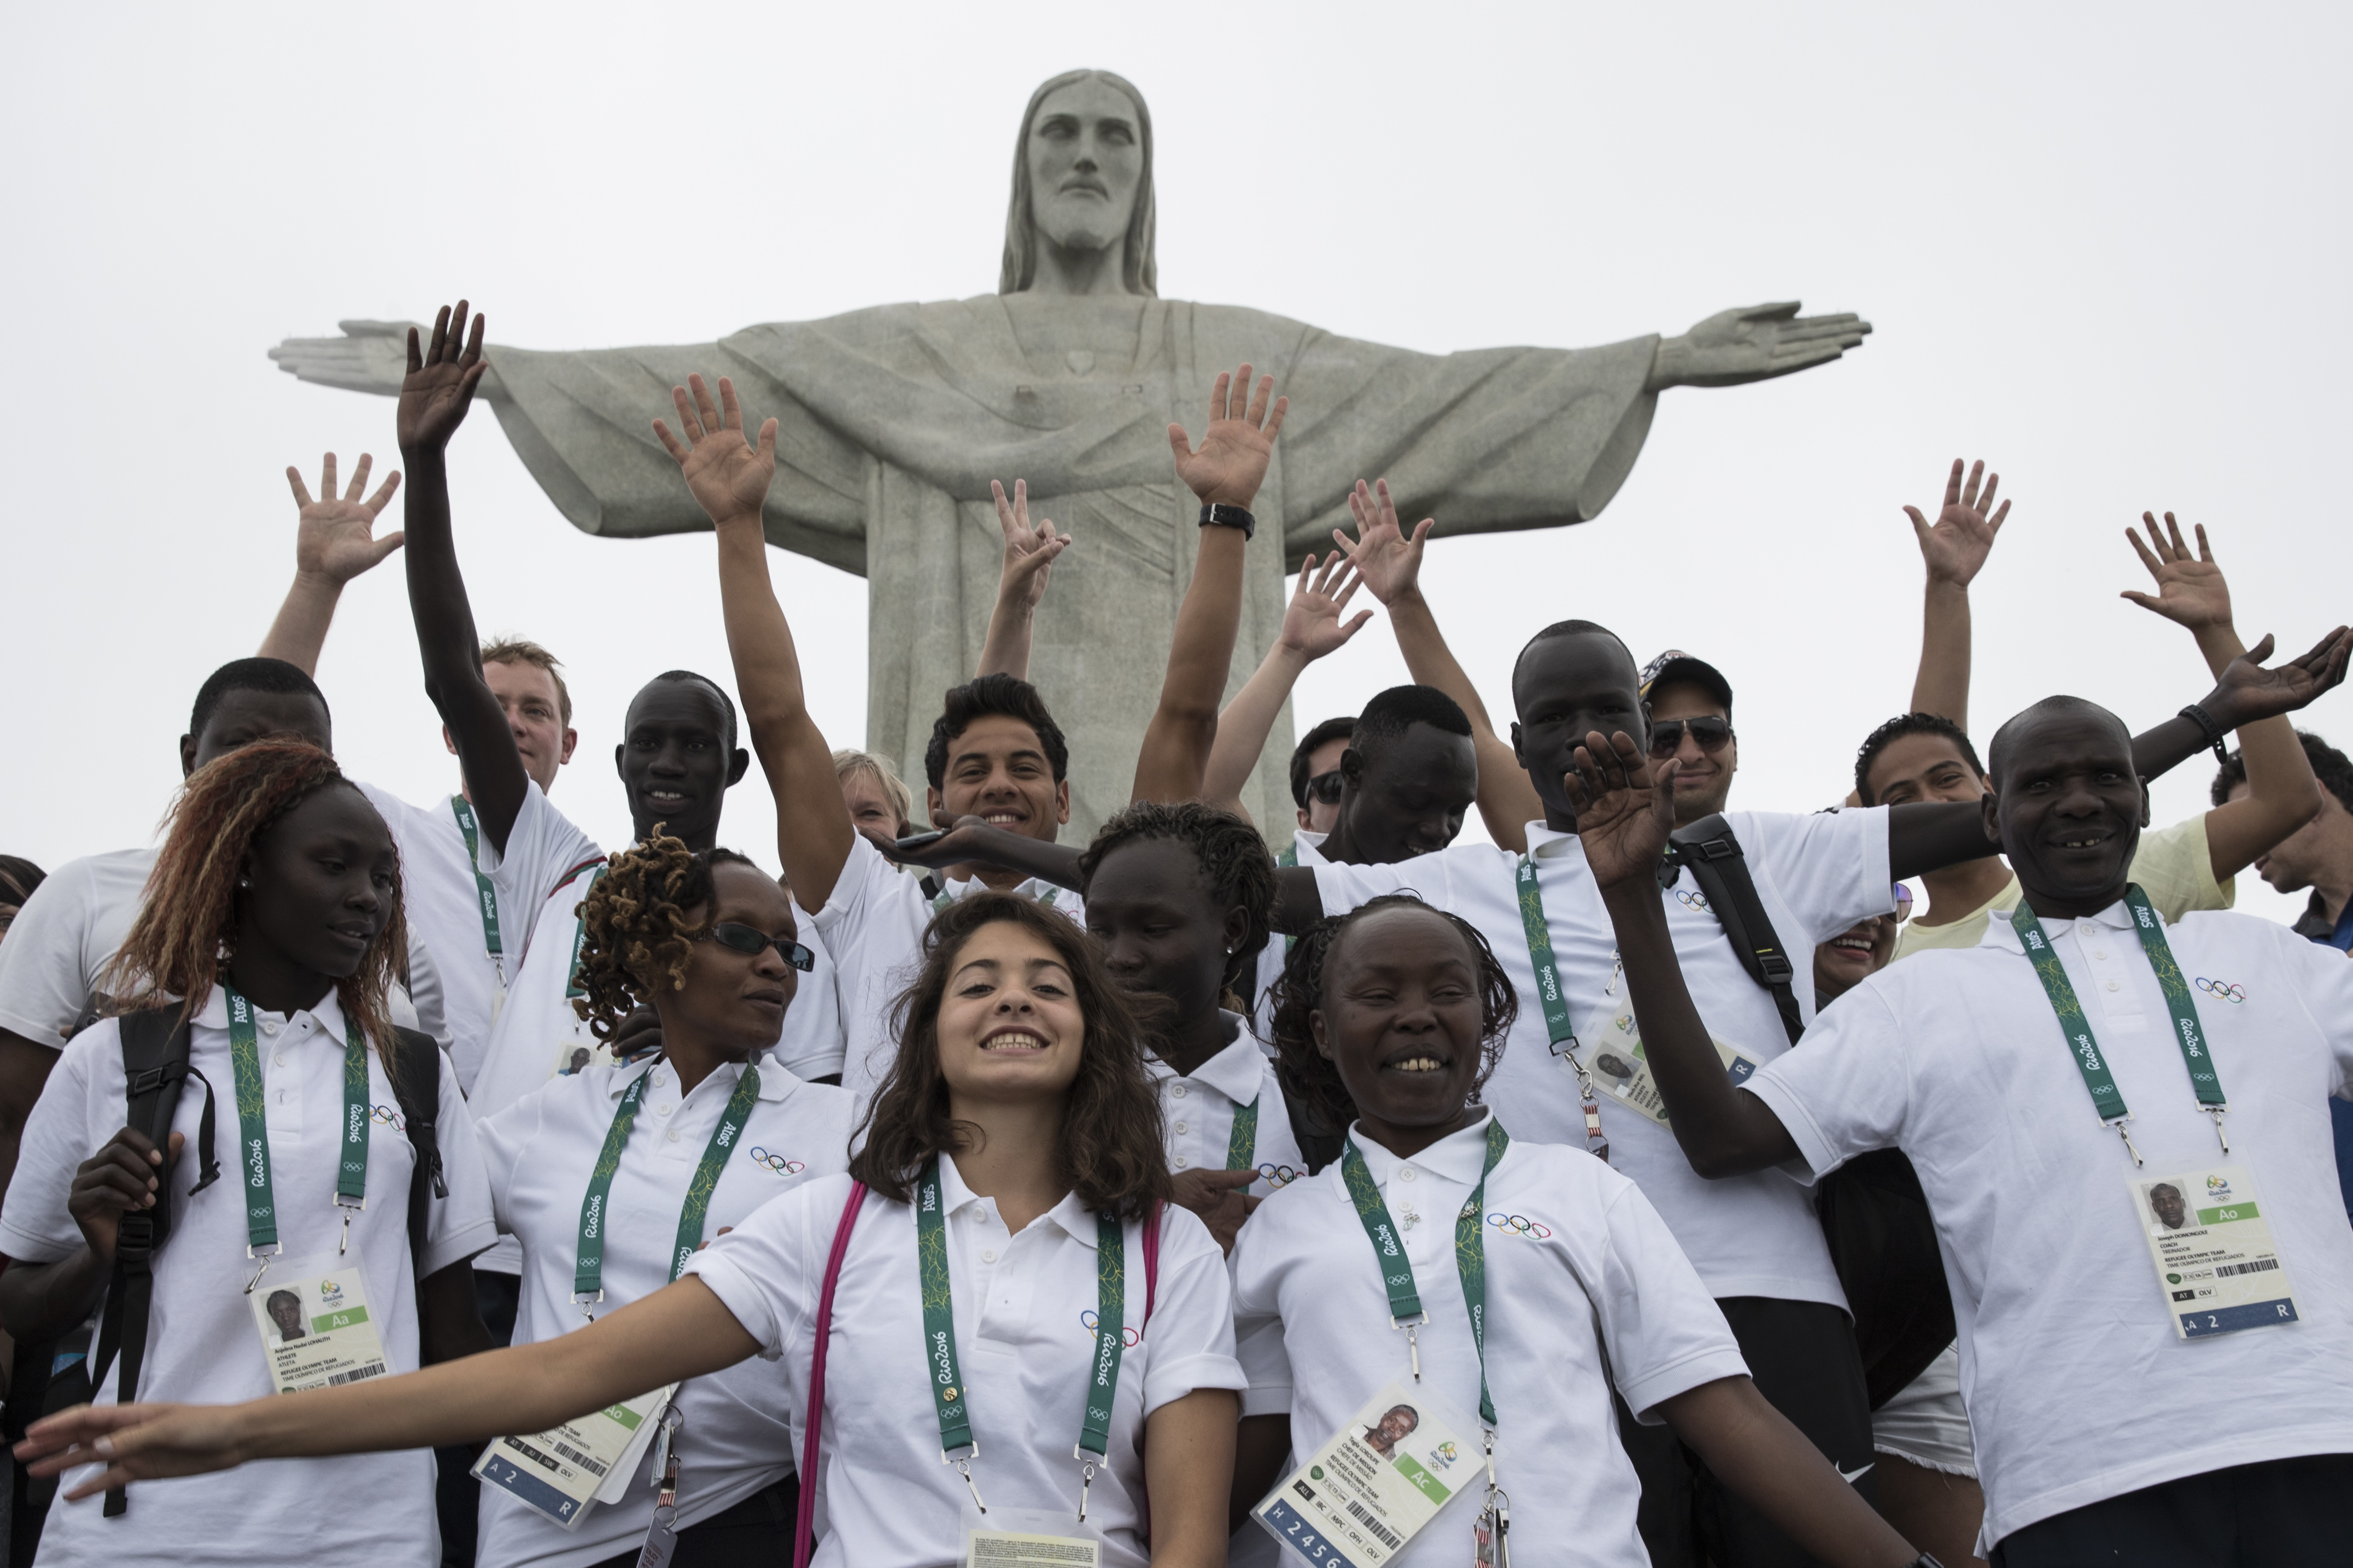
{"points": [[1882, 1241], [156, 1068]]}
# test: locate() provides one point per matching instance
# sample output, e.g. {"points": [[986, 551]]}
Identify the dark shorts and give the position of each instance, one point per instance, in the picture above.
{"points": [[2282, 1513], [1802, 1357], [755, 1533]]}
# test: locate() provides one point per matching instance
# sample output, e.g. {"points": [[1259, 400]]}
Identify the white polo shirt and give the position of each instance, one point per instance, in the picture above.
{"points": [[374, 1509], [1817, 875], [2077, 1387], [540, 1152], [1198, 1110], [1312, 1321], [1022, 1306], [1309, 847], [873, 923]]}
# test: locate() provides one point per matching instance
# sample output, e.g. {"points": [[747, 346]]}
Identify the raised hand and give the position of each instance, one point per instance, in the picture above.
{"points": [[1755, 343], [728, 475], [1029, 553], [440, 383], [2248, 692], [334, 536], [1386, 561], [1311, 627], [1955, 545], [1625, 808], [2190, 591], [1239, 444]]}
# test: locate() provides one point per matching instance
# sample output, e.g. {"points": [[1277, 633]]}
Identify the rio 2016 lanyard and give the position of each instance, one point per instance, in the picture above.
{"points": [[483, 891], [1242, 1143], [2106, 1098], [253, 1130], [588, 1265], [1555, 997], [952, 1401], [572, 989]]}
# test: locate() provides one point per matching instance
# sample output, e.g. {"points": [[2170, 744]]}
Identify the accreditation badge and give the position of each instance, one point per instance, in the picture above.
{"points": [[316, 1330], [1378, 1483], [576, 1051], [563, 1472], [1027, 1538], [1611, 1042], [2215, 1262]]}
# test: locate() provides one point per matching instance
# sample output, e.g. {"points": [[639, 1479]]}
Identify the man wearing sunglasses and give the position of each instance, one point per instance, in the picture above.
{"points": [[1691, 721], [1315, 774]]}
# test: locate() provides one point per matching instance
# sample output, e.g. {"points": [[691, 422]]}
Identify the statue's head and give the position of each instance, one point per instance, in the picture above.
{"points": [[1082, 178]]}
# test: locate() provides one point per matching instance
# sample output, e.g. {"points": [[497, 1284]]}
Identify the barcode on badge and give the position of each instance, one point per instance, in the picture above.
{"points": [[372, 1369], [1381, 1532], [594, 1466], [2260, 1265]]}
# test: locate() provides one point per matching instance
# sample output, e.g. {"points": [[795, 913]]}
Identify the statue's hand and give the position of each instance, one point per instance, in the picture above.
{"points": [[1956, 544], [728, 475], [1238, 445], [371, 356], [334, 536], [1753, 344], [441, 381], [1625, 808], [1387, 560]]}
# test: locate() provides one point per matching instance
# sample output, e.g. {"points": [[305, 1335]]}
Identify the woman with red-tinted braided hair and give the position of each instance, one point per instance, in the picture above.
{"points": [[272, 931]]}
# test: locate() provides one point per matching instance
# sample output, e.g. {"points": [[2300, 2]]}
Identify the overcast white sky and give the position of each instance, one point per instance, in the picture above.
{"points": [[2104, 247]]}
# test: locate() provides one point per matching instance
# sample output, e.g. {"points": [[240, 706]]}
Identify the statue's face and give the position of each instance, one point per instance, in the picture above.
{"points": [[1086, 159]]}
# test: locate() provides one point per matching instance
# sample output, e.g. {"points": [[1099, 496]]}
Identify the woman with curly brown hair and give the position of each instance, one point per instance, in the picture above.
{"points": [[271, 928], [1013, 1295], [1481, 1285], [612, 1177]]}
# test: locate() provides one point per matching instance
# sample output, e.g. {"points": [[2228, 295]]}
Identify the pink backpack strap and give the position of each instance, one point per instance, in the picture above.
{"points": [[822, 1334], [1151, 1264]]}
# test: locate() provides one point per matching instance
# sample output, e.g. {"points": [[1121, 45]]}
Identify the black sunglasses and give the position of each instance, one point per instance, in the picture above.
{"points": [[1667, 735], [750, 941], [1324, 788]]}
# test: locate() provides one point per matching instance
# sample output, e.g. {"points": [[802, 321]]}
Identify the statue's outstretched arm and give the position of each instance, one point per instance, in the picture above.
{"points": [[1755, 343], [371, 356]]}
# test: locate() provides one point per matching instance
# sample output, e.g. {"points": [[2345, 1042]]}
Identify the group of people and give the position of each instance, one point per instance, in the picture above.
{"points": [[843, 1217]]}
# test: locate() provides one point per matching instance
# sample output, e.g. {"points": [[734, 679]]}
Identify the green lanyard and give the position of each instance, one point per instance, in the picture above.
{"points": [[1550, 992], [2106, 1098], [1242, 1143], [483, 891], [589, 1262], [952, 1401], [1406, 1311], [571, 986], [253, 1128]]}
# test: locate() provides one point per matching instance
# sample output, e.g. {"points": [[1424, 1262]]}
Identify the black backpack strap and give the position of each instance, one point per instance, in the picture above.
{"points": [[416, 1084], [1316, 1147], [1708, 849]]}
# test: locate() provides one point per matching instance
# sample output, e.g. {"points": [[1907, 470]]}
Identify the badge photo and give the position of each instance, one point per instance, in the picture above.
{"points": [[1380, 1480]]}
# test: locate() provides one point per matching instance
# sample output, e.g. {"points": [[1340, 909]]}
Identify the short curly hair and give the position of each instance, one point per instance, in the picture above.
{"points": [[1235, 860], [638, 937], [1313, 1078]]}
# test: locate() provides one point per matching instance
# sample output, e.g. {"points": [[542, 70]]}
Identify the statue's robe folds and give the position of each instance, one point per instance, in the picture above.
{"points": [[892, 421]]}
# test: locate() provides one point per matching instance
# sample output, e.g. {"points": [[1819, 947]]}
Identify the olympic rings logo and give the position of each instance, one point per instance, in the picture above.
{"points": [[1519, 1225], [1692, 900], [386, 1116], [776, 1164], [1128, 1338], [1279, 1176], [2222, 988]]}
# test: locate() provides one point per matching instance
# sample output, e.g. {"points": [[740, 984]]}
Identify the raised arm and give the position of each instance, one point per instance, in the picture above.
{"points": [[1226, 471], [1625, 810], [1020, 583], [1954, 549], [1312, 628], [442, 379], [334, 543], [729, 478], [2281, 794], [1390, 564]]}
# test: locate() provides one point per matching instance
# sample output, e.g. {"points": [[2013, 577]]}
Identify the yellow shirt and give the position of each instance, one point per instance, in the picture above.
{"points": [[2173, 865]]}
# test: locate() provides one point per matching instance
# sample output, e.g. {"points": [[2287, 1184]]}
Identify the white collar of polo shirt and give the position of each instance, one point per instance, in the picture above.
{"points": [[774, 1081], [1458, 1156], [1076, 1219], [2001, 933], [1551, 843], [1237, 1071], [327, 1018]]}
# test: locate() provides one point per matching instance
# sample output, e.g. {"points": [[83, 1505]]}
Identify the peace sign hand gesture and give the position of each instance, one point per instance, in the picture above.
{"points": [[1625, 808], [1028, 554], [440, 383], [1956, 544], [334, 536], [728, 475], [2190, 591], [1387, 561], [1235, 449], [1311, 627]]}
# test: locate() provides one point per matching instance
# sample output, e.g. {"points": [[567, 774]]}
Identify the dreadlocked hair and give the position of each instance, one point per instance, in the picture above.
{"points": [[1110, 1149], [1310, 1077], [638, 935], [180, 946], [1234, 859]]}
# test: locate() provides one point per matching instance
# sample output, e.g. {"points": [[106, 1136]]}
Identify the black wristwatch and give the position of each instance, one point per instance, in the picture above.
{"points": [[2215, 735], [1219, 516]]}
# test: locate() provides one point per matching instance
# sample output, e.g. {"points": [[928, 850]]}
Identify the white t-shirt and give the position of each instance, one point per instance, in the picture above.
{"points": [[202, 1347], [1022, 1341], [540, 1152], [873, 925], [2077, 1387], [1310, 849], [1816, 875], [1197, 1112], [1312, 1321]]}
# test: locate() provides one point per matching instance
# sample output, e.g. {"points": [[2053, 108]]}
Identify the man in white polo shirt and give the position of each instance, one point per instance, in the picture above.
{"points": [[2141, 1391]]}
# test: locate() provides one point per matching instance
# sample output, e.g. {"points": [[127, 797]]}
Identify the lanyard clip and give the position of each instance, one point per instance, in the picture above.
{"points": [[964, 1468], [1086, 1479], [264, 1260], [584, 1300], [347, 1207], [2216, 1111], [2123, 1125], [665, 1465], [1412, 1327]]}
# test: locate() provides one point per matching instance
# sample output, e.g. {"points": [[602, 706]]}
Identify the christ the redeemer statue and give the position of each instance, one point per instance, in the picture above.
{"points": [[894, 420]]}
